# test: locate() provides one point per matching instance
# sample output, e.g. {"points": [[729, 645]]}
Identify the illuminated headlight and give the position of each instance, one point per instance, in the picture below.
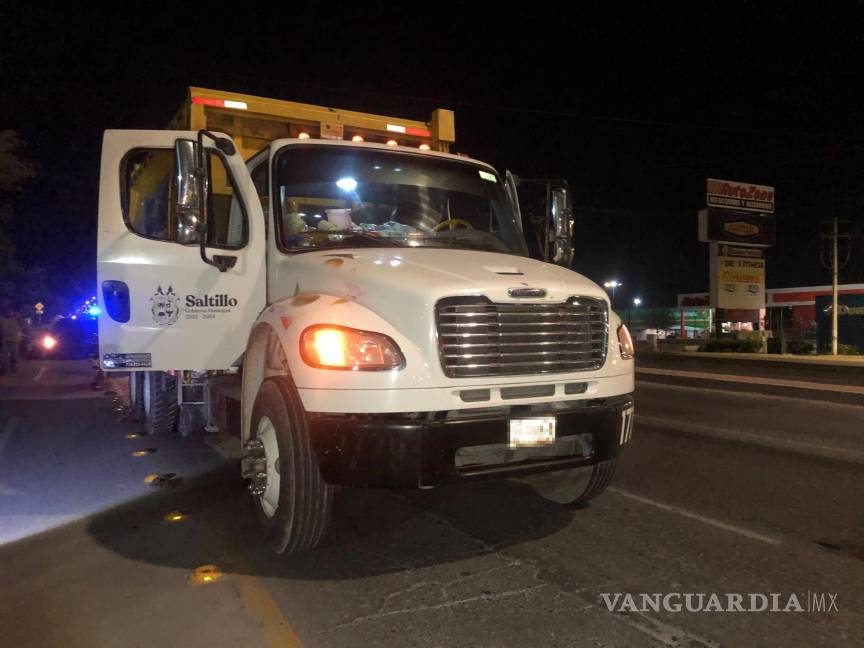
{"points": [[49, 342], [325, 346], [625, 343]]}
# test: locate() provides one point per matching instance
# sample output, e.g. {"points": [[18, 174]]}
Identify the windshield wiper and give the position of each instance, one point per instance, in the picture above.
{"points": [[465, 242], [348, 234]]}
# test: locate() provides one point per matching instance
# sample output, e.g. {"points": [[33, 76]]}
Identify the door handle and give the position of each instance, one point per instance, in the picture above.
{"points": [[224, 262]]}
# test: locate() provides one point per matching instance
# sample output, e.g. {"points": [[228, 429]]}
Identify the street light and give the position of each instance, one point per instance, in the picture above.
{"points": [[636, 302], [613, 284]]}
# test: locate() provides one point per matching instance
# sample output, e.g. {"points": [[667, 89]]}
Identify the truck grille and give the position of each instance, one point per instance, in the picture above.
{"points": [[477, 337]]}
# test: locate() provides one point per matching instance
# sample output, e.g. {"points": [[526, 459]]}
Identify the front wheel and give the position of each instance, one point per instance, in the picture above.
{"points": [[575, 485], [292, 500]]}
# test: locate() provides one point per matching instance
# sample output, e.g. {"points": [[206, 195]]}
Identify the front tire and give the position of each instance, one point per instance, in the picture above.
{"points": [[576, 485], [296, 504], [160, 403]]}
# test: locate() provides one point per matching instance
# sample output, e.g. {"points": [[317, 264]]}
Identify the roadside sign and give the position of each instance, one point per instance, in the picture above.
{"points": [[39, 307], [732, 226], [737, 277], [741, 196]]}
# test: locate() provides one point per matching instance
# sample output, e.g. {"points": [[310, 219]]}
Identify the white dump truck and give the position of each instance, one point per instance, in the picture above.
{"points": [[355, 304]]}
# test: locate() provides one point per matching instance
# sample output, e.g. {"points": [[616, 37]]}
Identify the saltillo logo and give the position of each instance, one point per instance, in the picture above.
{"points": [[165, 306]]}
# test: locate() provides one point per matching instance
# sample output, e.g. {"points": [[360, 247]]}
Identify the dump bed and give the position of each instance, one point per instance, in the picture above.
{"points": [[253, 122]]}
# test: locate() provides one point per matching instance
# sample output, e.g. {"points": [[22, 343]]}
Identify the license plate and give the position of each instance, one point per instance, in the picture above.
{"points": [[530, 432]]}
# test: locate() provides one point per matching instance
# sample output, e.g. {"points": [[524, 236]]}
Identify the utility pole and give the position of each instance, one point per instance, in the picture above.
{"points": [[835, 265], [835, 271]]}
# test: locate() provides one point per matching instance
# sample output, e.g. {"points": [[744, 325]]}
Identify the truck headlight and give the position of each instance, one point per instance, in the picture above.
{"points": [[625, 343], [327, 346]]}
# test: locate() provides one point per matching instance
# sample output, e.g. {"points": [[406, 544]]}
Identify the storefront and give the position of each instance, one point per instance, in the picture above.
{"points": [[793, 309]]}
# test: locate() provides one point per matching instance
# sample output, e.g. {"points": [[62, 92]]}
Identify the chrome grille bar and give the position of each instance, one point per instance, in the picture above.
{"points": [[477, 337]]}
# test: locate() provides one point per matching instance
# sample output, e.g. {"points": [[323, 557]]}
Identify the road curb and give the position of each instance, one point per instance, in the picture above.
{"points": [[751, 438], [825, 395]]}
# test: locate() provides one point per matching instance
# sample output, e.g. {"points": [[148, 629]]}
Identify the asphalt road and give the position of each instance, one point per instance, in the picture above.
{"points": [[701, 504]]}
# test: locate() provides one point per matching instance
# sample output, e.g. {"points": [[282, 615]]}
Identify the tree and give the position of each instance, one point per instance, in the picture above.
{"points": [[658, 318], [15, 171]]}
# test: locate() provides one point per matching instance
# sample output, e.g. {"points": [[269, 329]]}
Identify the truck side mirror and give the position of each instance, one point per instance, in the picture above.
{"points": [[561, 226], [191, 191]]}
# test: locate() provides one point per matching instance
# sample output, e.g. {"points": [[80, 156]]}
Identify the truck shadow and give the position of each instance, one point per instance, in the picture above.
{"points": [[373, 532]]}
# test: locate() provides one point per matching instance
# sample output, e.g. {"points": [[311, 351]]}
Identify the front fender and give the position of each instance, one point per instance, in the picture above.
{"points": [[288, 318]]}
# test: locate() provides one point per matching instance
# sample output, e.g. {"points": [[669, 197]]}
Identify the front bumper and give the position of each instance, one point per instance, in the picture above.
{"points": [[407, 451]]}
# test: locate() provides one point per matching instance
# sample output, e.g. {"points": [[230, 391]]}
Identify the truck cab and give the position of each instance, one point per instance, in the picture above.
{"points": [[358, 313]]}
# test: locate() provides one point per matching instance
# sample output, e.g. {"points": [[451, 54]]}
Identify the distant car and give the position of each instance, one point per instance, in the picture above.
{"points": [[32, 337], [66, 339]]}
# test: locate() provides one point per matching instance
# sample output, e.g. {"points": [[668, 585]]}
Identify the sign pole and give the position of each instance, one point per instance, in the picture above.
{"points": [[834, 277]]}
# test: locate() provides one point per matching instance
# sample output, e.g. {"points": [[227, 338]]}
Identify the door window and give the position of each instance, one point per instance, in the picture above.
{"points": [[149, 201]]}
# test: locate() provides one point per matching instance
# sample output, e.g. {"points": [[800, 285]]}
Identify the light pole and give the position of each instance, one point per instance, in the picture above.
{"points": [[636, 302], [613, 284]]}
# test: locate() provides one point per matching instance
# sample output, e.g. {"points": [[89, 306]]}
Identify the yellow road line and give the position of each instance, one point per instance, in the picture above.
{"points": [[277, 632]]}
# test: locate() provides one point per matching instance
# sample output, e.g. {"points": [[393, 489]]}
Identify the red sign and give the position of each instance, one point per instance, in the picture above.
{"points": [[728, 194]]}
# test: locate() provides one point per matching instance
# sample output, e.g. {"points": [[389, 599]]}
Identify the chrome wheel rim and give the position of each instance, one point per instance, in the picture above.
{"points": [[267, 434]]}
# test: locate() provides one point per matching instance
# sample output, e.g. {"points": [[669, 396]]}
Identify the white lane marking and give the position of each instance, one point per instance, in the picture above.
{"points": [[753, 380], [6, 434], [695, 516], [755, 438], [40, 373], [755, 396]]}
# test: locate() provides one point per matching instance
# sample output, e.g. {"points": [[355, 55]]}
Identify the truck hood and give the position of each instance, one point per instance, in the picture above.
{"points": [[402, 284]]}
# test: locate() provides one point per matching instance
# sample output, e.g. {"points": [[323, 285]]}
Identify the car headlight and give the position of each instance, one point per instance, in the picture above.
{"points": [[327, 346], [49, 342], [625, 343]]}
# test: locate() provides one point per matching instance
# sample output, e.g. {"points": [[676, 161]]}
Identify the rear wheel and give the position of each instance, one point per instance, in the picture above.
{"points": [[136, 395], [576, 485], [190, 420], [160, 402], [292, 500]]}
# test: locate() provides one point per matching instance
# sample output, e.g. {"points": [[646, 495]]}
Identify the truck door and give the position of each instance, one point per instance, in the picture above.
{"points": [[163, 306], [547, 216]]}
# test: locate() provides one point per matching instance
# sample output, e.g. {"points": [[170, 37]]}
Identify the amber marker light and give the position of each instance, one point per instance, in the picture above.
{"points": [[326, 346]]}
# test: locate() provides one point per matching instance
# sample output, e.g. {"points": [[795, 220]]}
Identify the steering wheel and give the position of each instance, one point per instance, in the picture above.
{"points": [[451, 223]]}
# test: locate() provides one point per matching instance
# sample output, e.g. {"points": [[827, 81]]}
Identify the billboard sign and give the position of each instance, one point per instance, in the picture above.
{"points": [[737, 276], [741, 227], [740, 196]]}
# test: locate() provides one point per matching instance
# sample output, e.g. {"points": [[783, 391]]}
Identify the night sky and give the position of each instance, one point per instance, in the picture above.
{"points": [[635, 107]]}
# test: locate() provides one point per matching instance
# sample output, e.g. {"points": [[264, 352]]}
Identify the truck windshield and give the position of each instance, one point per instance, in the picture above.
{"points": [[350, 197]]}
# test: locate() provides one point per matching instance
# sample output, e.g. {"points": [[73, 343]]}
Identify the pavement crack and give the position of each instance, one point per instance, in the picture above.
{"points": [[665, 633], [461, 579], [407, 590], [662, 632], [429, 608]]}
